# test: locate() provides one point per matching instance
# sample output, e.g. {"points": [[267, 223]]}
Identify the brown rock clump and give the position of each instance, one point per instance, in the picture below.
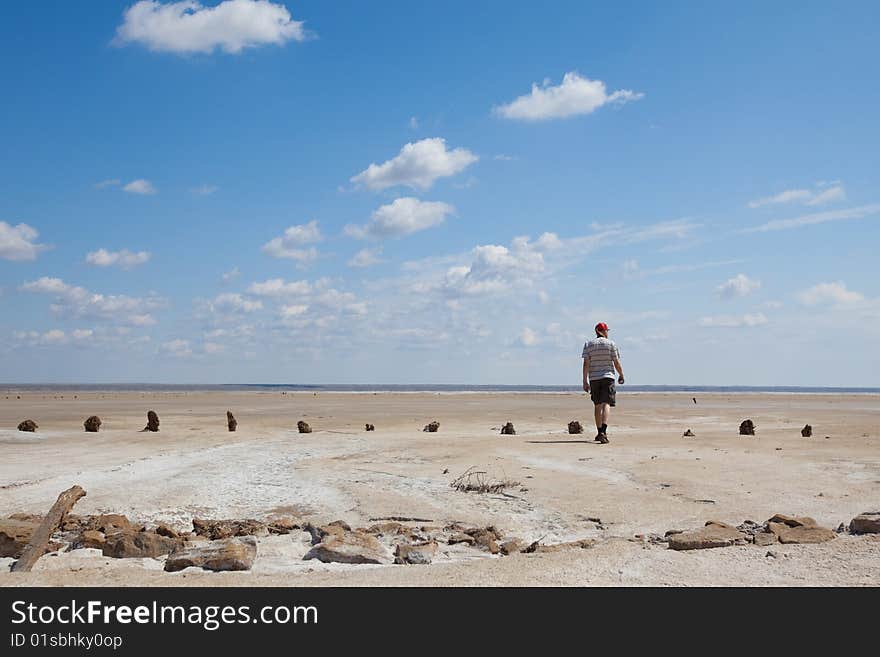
{"points": [[303, 427], [807, 431], [867, 522], [217, 529], [713, 534], [152, 422], [92, 424], [221, 555], [369, 427], [747, 428], [432, 426], [508, 429], [575, 427], [28, 425], [231, 422]]}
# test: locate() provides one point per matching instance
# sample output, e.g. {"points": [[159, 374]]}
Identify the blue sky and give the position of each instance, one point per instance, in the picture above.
{"points": [[457, 192]]}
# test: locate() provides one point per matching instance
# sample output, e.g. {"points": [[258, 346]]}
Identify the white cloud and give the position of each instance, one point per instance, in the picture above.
{"points": [[366, 258], [402, 217], [528, 337], [204, 190], [230, 276], [234, 303], [77, 302], [177, 347], [829, 293], [189, 27], [293, 310], [575, 95], [288, 245], [18, 242], [124, 258], [113, 182], [805, 196], [417, 166], [738, 286], [817, 218], [278, 287], [140, 186], [727, 321], [82, 334], [788, 196], [413, 123]]}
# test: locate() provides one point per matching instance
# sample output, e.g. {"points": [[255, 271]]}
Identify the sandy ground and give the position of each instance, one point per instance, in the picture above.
{"points": [[649, 479]]}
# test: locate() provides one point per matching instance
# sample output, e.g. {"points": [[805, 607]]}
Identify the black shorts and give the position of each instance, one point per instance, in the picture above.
{"points": [[602, 391]]}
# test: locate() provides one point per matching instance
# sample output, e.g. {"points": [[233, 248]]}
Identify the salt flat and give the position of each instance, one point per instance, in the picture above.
{"points": [[648, 480]]}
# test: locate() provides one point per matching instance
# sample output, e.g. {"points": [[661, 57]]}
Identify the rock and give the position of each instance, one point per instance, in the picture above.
{"points": [[28, 425], [131, 544], [575, 427], [763, 539], [224, 554], [90, 538], [152, 422], [559, 547], [92, 424], [461, 537], [792, 521], [800, 534], [282, 526], [713, 535], [747, 428], [231, 422], [106, 523], [508, 429], [14, 536], [807, 431], [303, 427], [689, 433], [867, 522], [388, 529], [217, 529], [164, 530], [512, 546], [320, 533], [415, 554], [350, 547], [369, 427], [432, 426]]}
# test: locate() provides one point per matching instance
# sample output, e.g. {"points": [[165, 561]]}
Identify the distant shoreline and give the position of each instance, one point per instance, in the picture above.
{"points": [[6, 388]]}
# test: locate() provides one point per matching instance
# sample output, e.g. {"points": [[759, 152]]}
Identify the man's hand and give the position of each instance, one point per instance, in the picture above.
{"points": [[586, 386], [620, 379]]}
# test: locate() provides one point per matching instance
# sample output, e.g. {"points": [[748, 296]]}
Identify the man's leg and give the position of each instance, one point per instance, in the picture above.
{"points": [[598, 413]]}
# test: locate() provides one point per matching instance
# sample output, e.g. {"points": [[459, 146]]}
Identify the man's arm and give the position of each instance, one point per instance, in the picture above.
{"points": [[586, 375], [619, 369]]}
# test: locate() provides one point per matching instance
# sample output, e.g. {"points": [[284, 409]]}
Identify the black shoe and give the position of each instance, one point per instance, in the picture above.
{"points": [[601, 438]]}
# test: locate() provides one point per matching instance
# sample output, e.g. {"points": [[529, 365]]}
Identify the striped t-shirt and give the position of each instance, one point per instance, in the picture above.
{"points": [[601, 352]]}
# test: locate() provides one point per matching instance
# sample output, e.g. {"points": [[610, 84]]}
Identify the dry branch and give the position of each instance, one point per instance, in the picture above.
{"points": [[40, 538]]}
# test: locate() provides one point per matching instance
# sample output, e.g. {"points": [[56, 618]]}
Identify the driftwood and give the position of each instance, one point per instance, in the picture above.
{"points": [[476, 481], [40, 538], [401, 519]]}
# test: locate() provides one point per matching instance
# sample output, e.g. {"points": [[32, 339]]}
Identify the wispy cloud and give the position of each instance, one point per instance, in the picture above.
{"points": [[18, 243], [204, 190], [366, 258], [832, 293], [575, 95], [728, 321], [418, 165], [817, 196], [816, 218], [140, 186], [124, 258], [738, 286], [189, 27], [77, 302]]}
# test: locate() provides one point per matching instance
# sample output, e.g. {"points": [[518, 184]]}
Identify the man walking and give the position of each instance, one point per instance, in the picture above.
{"points": [[601, 358]]}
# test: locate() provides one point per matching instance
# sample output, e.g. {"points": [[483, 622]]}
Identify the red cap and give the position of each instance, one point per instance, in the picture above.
{"points": [[601, 326]]}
